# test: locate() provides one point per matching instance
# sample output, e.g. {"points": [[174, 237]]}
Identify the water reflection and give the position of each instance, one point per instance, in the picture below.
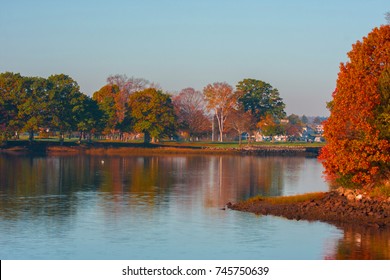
{"points": [[362, 244], [219, 178], [162, 200]]}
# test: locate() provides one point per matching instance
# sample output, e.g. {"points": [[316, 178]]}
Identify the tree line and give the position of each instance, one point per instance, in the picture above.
{"points": [[125, 106], [31, 104]]}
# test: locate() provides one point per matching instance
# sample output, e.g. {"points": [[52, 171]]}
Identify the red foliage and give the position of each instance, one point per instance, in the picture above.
{"points": [[190, 111], [355, 151]]}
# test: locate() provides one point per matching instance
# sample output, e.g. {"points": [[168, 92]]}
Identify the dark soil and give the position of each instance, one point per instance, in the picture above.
{"points": [[335, 207]]}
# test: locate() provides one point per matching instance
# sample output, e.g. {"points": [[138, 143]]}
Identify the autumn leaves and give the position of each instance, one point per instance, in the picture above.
{"points": [[357, 133]]}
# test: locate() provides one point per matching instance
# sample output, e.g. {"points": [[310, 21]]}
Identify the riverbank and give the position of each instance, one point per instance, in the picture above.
{"points": [[125, 148], [341, 207]]}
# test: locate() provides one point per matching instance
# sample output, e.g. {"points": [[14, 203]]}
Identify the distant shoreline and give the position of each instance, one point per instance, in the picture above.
{"points": [[126, 148]]}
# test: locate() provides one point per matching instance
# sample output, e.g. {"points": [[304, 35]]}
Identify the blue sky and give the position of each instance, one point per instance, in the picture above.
{"points": [[296, 46]]}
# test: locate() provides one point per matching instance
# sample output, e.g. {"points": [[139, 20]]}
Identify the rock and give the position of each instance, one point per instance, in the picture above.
{"points": [[334, 208], [347, 191], [341, 190]]}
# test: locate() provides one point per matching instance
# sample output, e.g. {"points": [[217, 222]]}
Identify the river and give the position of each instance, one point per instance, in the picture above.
{"points": [[165, 207]]}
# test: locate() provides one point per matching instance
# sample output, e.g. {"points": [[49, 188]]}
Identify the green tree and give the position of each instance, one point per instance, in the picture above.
{"points": [[65, 99], [11, 88], [152, 113], [87, 117], [304, 119], [125, 87], [261, 99], [34, 111]]}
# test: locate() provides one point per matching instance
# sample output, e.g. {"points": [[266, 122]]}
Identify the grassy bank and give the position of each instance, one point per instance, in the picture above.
{"points": [[286, 199], [340, 207], [118, 147]]}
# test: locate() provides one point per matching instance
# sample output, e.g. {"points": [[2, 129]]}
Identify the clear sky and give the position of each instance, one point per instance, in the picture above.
{"points": [[296, 45]]}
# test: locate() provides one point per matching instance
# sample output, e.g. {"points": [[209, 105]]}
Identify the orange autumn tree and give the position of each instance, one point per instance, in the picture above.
{"points": [[220, 98], [357, 149]]}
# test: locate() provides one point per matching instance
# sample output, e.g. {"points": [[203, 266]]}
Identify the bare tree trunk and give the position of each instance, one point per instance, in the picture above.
{"points": [[220, 126], [61, 138], [213, 128]]}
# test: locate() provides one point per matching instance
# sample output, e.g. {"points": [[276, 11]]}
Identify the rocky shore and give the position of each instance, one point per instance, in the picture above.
{"points": [[339, 207]]}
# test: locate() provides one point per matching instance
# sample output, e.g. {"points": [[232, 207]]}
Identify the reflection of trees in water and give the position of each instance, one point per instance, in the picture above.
{"points": [[294, 167], [363, 244], [268, 175], [45, 175], [233, 178], [42, 186], [214, 179], [51, 190]]}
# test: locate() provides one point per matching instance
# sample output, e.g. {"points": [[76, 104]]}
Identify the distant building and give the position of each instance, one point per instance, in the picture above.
{"points": [[309, 133], [319, 129], [284, 121]]}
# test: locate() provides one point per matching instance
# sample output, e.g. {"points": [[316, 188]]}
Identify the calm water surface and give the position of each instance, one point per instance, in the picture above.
{"points": [[164, 207]]}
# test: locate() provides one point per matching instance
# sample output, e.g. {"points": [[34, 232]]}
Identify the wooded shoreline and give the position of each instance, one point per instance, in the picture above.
{"points": [[121, 148]]}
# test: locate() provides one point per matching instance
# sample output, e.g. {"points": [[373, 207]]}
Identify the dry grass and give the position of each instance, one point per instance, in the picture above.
{"points": [[141, 151], [288, 199], [381, 191]]}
